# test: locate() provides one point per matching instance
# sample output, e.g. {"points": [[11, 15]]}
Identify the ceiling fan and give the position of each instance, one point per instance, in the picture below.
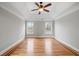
{"points": [[41, 7]]}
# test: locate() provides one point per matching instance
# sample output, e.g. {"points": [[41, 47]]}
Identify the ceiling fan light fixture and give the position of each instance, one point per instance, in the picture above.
{"points": [[41, 9]]}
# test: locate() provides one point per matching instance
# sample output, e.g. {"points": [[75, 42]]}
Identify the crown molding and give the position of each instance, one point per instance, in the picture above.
{"points": [[67, 12], [11, 11]]}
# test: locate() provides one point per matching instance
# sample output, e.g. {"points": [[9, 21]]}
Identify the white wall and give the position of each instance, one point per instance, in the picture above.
{"points": [[67, 30], [39, 27], [12, 29]]}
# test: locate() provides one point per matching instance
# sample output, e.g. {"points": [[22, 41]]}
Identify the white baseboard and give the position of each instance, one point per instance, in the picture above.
{"points": [[39, 36], [67, 44], [8, 48]]}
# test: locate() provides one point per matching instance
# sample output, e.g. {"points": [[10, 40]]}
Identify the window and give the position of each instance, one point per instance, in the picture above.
{"points": [[30, 27], [48, 27]]}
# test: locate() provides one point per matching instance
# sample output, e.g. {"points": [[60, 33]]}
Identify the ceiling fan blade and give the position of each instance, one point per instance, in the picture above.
{"points": [[36, 4], [34, 9], [47, 5], [46, 10], [39, 12]]}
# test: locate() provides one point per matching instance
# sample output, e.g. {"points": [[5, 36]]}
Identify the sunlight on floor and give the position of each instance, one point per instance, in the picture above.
{"points": [[48, 46], [30, 46]]}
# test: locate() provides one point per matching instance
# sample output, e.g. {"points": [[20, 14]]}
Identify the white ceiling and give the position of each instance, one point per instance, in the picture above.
{"points": [[23, 9]]}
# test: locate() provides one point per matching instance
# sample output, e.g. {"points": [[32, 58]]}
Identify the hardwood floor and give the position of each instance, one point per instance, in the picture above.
{"points": [[41, 47]]}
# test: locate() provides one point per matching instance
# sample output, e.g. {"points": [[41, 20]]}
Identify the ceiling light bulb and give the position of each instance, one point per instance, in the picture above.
{"points": [[41, 9]]}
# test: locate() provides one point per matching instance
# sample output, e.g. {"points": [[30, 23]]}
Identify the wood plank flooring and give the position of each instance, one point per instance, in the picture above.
{"points": [[41, 47]]}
